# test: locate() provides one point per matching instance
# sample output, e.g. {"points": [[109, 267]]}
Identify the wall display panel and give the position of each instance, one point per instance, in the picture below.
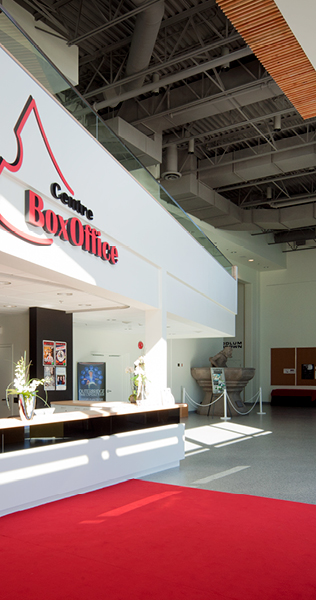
{"points": [[60, 354], [283, 366], [46, 327], [48, 353], [306, 366], [91, 381]]}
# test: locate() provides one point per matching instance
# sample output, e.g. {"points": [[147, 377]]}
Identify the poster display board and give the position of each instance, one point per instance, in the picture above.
{"points": [[293, 366], [306, 363], [48, 353], [283, 366], [218, 380], [54, 362], [91, 381], [61, 383], [49, 374], [60, 354]]}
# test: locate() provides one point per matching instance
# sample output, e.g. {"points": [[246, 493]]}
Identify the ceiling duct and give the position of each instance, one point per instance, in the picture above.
{"points": [[143, 41], [146, 29], [171, 171], [298, 236], [277, 123], [226, 65]]}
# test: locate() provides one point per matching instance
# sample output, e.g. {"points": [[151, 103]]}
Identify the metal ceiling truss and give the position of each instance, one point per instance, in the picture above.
{"points": [[225, 104]]}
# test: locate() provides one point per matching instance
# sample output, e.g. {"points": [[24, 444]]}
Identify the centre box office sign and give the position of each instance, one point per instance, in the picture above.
{"points": [[71, 230]]}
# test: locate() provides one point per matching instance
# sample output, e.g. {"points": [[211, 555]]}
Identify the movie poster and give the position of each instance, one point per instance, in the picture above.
{"points": [[48, 353], [308, 371], [49, 374], [60, 354], [91, 381], [61, 384]]}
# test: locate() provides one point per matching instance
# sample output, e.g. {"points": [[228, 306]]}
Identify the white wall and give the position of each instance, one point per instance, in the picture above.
{"points": [[14, 333], [149, 240], [189, 353], [287, 311], [117, 349]]}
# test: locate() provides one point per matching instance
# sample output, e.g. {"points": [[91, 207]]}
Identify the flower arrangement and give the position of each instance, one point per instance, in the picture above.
{"points": [[138, 379], [22, 384]]}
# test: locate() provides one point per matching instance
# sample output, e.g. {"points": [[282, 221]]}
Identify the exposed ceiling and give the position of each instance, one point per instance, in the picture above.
{"points": [[233, 149]]}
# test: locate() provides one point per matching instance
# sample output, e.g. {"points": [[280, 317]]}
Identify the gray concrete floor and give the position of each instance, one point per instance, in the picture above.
{"points": [[271, 455]]}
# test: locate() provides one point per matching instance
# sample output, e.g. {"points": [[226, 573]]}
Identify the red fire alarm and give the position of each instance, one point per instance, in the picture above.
{"points": [[140, 345]]}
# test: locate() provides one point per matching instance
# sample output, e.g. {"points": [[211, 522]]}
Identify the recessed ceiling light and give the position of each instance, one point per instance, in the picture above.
{"points": [[9, 305], [250, 259], [84, 304], [5, 282], [64, 294]]}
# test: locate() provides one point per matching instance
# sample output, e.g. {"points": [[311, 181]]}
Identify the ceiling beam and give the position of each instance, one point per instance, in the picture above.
{"points": [[199, 136], [168, 63], [165, 23], [169, 79], [112, 23], [265, 181]]}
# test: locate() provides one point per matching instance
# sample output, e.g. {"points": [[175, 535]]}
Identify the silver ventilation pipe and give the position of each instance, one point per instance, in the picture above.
{"points": [[146, 29], [171, 171], [143, 41]]}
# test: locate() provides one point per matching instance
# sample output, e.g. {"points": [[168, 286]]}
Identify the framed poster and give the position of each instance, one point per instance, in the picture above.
{"points": [[48, 353], [61, 383], [91, 381], [218, 380], [49, 374], [60, 354]]}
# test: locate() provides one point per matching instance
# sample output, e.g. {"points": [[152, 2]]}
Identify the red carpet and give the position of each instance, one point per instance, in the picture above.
{"points": [[141, 540]]}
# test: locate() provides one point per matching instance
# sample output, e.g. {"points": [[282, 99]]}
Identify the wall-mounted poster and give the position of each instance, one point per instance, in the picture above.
{"points": [[49, 374], [218, 380], [48, 353], [60, 354], [307, 371], [61, 378], [91, 381]]}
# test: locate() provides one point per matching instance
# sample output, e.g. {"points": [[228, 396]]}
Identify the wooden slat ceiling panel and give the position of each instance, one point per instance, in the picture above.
{"points": [[265, 30]]}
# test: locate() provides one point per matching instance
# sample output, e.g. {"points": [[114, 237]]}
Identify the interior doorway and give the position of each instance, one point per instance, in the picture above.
{"points": [[117, 382], [6, 376]]}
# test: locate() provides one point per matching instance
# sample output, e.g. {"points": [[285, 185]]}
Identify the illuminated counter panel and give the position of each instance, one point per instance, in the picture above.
{"points": [[93, 458]]}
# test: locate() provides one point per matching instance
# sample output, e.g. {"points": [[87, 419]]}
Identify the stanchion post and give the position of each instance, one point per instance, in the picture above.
{"points": [[225, 417], [260, 403], [183, 395]]}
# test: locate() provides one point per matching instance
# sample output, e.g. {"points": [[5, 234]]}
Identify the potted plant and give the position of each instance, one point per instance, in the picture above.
{"points": [[138, 380], [25, 388]]}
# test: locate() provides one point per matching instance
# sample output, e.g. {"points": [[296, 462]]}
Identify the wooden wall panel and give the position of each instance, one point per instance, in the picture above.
{"points": [[282, 359], [265, 30], [306, 365]]}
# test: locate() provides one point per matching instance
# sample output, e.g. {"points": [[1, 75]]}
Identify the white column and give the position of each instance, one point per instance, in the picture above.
{"points": [[156, 343]]}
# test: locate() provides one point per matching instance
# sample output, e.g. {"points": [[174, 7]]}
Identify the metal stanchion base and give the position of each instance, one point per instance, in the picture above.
{"points": [[225, 418], [261, 413]]}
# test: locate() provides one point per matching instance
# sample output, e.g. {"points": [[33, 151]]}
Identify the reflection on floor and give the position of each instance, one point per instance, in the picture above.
{"points": [[271, 455]]}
